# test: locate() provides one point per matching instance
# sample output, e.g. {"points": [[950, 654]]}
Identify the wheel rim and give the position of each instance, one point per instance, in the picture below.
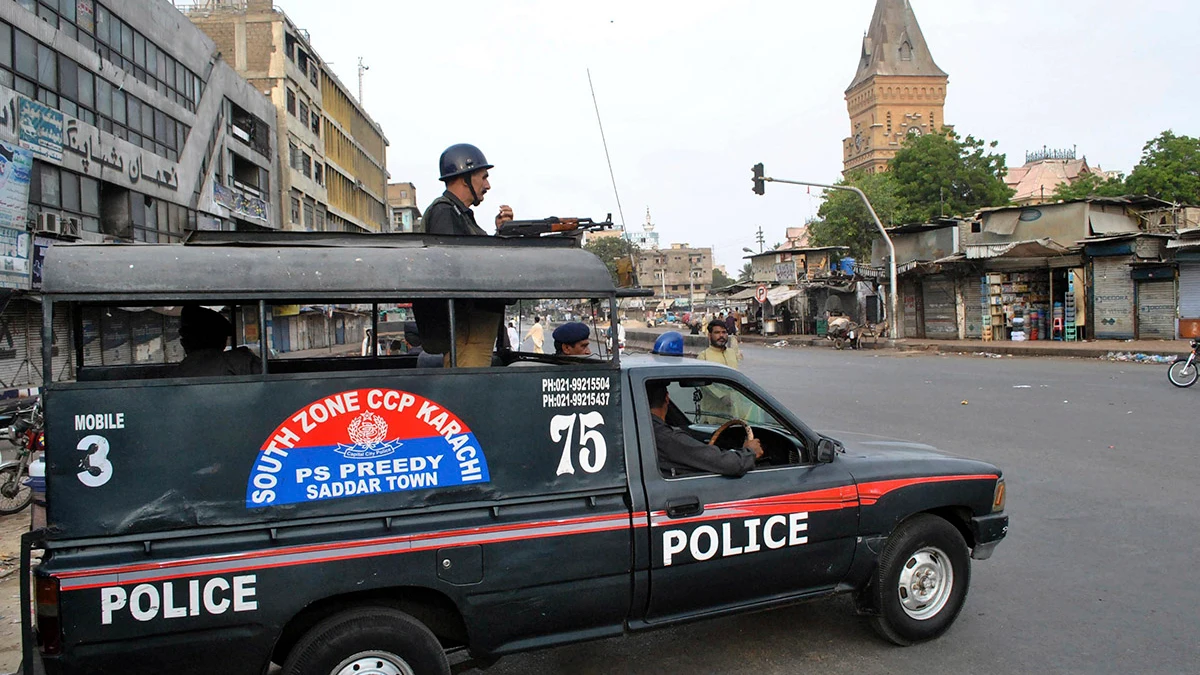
{"points": [[373, 663], [12, 493], [926, 581], [1183, 371]]}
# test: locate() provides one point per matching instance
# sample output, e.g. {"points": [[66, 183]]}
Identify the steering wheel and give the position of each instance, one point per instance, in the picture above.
{"points": [[726, 426]]}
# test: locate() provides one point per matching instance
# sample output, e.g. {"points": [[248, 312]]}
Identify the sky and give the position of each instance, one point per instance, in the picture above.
{"points": [[692, 94]]}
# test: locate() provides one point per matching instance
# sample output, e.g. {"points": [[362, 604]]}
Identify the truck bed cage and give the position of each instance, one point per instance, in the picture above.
{"points": [[341, 267]]}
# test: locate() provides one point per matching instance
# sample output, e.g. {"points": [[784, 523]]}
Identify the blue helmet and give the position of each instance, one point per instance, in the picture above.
{"points": [[669, 343]]}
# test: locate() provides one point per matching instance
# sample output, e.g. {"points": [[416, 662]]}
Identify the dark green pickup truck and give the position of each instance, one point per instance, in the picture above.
{"points": [[358, 514]]}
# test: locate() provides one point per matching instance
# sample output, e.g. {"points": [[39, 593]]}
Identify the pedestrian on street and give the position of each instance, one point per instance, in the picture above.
{"points": [[479, 325], [731, 322], [537, 334], [514, 338], [718, 349]]}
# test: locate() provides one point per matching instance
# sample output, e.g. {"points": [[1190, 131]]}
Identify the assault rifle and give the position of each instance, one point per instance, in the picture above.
{"points": [[552, 225]]}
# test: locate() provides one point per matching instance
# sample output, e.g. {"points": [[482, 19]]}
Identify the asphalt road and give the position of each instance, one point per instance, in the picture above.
{"points": [[1099, 573]]}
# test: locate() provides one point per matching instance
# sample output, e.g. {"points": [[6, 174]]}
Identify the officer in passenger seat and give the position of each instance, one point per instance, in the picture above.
{"points": [[204, 335]]}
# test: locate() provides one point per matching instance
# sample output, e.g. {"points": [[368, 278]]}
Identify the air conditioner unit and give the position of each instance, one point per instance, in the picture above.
{"points": [[48, 223], [69, 227]]}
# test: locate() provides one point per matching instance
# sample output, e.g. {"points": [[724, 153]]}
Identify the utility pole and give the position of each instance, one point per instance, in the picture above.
{"points": [[362, 68], [893, 290], [760, 238]]}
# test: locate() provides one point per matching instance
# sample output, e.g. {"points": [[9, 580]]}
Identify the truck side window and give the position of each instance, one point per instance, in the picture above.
{"points": [[699, 408]]}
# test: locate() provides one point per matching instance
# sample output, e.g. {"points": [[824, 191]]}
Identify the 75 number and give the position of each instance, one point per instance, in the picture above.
{"points": [[593, 451]]}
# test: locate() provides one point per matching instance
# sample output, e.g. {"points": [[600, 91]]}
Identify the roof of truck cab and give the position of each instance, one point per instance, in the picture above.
{"points": [[333, 266]]}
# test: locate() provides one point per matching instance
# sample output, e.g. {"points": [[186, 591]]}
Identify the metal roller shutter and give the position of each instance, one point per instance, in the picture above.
{"points": [[941, 314], [1156, 310], [1113, 298], [1189, 290], [973, 300], [909, 309]]}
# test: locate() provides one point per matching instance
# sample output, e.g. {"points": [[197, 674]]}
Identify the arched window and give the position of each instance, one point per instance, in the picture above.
{"points": [[905, 51]]}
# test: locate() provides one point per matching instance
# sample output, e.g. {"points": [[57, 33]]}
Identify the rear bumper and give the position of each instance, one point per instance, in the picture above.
{"points": [[987, 531]]}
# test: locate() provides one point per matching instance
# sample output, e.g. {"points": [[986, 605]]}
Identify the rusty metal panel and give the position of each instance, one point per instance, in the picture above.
{"points": [[973, 302], [941, 310]]}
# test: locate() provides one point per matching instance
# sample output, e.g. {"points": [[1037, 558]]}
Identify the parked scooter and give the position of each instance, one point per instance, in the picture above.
{"points": [[1184, 373], [25, 430]]}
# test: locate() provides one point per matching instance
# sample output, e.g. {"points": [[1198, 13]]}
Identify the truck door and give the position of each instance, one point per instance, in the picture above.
{"points": [[785, 528]]}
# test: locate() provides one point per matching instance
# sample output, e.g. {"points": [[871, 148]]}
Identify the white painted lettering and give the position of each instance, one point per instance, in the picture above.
{"points": [[147, 610], [674, 542], [770, 541], [713, 541], [111, 600]]}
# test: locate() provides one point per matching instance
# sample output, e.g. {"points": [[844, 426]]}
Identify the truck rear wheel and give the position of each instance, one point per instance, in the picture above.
{"points": [[922, 580], [368, 641]]}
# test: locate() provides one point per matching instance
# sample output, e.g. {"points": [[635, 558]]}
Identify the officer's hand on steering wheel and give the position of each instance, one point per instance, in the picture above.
{"points": [[755, 445]]}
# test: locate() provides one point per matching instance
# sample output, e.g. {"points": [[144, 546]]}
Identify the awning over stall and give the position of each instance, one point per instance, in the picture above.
{"points": [[1033, 248], [781, 294]]}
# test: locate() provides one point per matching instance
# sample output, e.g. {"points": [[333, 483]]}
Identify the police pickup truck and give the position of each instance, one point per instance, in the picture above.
{"points": [[333, 513]]}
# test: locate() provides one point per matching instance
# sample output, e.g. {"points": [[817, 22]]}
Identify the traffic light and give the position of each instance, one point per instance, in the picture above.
{"points": [[759, 183]]}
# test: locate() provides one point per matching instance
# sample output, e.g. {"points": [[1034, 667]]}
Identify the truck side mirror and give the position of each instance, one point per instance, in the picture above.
{"points": [[826, 450]]}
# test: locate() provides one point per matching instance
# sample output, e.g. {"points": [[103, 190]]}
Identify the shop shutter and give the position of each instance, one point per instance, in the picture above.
{"points": [[1112, 298], [973, 299], [1156, 310], [1189, 290], [941, 315]]}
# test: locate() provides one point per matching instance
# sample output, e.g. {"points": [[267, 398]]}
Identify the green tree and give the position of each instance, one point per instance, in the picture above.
{"points": [[843, 220], [746, 273], [944, 174], [610, 250], [1170, 169], [720, 279], [1092, 185]]}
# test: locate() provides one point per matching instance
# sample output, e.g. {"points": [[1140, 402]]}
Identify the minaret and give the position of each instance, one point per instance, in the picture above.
{"points": [[897, 90]]}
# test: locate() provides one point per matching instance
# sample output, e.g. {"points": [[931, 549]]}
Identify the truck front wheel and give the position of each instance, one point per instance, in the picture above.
{"points": [[368, 641], [922, 580]]}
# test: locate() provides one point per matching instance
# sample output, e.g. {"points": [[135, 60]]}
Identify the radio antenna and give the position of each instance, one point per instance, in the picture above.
{"points": [[612, 177]]}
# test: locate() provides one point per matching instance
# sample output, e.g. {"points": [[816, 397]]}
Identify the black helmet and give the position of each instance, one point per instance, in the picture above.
{"points": [[461, 159]]}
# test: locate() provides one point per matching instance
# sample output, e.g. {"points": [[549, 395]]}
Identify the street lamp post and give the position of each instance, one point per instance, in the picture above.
{"points": [[893, 290]]}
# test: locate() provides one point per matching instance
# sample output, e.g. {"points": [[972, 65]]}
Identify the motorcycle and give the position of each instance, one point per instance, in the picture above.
{"points": [[25, 430], [1184, 373]]}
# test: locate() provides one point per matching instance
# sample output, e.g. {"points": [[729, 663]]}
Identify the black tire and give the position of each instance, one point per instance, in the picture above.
{"points": [[1183, 373], [14, 496], [923, 544], [367, 634], [839, 343]]}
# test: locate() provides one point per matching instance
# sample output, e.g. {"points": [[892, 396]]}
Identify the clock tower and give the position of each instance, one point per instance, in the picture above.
{"points": [[898, 90]]}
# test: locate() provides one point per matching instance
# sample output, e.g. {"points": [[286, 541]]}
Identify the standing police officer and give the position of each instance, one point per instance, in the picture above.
{"points": [[480, 323], [465, 172]]}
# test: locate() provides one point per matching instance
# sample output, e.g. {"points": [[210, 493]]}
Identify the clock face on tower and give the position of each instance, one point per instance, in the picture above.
{"points": [[914, 131]]}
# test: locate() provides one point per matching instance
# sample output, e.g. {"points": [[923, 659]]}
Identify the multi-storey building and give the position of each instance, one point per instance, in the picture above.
{"points": [[119, 121], [680, 272], [897, 90], [406, 214], [335, 154]]}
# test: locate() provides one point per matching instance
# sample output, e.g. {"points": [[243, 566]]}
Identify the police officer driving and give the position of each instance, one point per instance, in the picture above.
{"points": [[679, 453], [464, 170]]}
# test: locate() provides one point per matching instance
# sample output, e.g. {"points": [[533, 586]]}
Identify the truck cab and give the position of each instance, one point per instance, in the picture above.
{"points": [[331, 511]]}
